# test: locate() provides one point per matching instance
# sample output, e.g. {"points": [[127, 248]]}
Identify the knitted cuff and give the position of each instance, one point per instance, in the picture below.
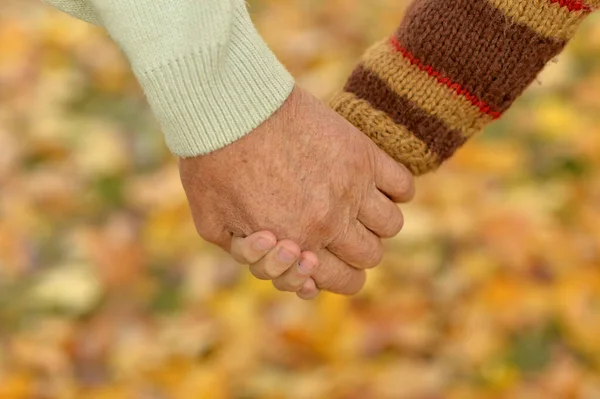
{"points": [[208, 75], [452, 68]]}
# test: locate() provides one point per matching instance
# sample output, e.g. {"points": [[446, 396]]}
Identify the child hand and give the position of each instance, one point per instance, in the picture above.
{"points": [[280, 261]]}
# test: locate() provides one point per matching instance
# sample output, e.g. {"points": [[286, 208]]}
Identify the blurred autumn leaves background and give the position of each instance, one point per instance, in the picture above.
{"points": [[492, 290]]}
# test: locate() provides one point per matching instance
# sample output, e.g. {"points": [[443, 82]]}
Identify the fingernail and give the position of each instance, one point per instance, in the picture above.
{"points": [[264, 244], [286, 256], [305, 267]]}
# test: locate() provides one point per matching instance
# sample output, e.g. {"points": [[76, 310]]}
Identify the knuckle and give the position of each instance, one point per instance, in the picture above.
{"points": [[327, 283], [374, 256], [360, 284], [395, 225], [377, 257], [356, 285], [240, 257], [272, 271], [290, 246], [279, 285], [322, 214], [335, 280], [258, 273], [285, 286], [248, 254], [407, 184], [325, 277]]}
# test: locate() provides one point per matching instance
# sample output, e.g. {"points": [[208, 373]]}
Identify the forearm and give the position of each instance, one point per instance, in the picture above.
{"points": [[450, 69], [207, 74]]}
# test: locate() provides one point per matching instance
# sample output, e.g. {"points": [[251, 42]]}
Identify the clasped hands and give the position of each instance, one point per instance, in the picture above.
{"points": [[304, 199]]}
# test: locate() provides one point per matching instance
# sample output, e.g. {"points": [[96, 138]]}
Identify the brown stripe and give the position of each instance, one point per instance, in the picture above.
{"points": [[407, 80], [475, 44], [432, 131], [391, 137]]}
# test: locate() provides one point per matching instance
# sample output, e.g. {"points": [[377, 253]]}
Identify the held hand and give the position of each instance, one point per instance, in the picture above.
{"points": [[308, 176], [282, 262]]}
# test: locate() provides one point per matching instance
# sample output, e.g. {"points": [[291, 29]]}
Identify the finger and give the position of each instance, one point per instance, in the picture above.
{"points": [[309, 290], [393, 178], [380, 215], [358, 247], [337, 276], [253, 248], [277, 261], [294, 277]]}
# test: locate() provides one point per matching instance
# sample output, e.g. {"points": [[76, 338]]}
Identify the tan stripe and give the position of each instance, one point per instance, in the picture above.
{"points": [[594, 4], [437, 136], [393, 138], [546, 18], [423, 90]]}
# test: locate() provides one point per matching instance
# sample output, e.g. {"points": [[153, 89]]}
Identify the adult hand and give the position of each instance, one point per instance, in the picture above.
{"points": [[309, 176]]}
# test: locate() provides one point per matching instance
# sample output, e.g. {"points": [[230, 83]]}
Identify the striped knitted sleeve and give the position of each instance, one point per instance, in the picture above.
{"points": [[451, 68]]}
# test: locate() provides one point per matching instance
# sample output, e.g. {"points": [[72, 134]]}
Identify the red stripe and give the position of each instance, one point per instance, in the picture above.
{"points": [[573, 5], [456, 87]]}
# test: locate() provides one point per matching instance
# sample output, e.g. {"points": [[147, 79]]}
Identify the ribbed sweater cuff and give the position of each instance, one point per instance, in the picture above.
{"points": [[200, 112], [202, 106], [208, 75], [452, 68]]}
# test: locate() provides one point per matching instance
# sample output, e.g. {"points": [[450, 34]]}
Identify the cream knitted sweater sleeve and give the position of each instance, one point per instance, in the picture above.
{"points": [[208, 76]]}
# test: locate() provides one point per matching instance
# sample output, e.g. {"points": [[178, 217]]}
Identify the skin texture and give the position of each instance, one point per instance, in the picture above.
{"points": [[312, 179]]}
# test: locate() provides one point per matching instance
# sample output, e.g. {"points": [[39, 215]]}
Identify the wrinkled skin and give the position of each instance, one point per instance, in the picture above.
{"points": [[306, 175]]}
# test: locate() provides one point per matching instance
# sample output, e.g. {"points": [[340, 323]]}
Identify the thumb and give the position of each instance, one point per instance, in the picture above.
{"points": [[251, 249]]}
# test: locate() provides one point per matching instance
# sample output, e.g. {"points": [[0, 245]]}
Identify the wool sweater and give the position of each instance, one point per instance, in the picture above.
{"points": [[451, 68], [208, 75]]}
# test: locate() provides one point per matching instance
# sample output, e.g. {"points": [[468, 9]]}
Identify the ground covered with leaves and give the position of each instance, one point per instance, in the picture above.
{"points": [[491, 291]]}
